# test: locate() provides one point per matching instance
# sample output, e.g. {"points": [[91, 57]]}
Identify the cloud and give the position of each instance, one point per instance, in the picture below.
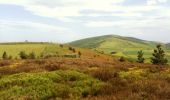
{"points": [[11, 30], [61, 8], [99, 24], [155, 2], [74, 19], [28, 24], [151, 2]]}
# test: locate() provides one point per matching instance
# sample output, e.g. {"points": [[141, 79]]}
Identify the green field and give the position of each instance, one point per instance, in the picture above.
{"points": [[123, 46], [13, 49]]}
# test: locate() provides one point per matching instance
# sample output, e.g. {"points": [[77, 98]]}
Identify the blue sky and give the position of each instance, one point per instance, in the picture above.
{"points": [[69, 20]]}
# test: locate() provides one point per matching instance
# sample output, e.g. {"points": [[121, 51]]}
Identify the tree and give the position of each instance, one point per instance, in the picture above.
{"points": [[159, 56], [140, 59], [5, 56], [23, 55], [32, 55], [79, 53]]}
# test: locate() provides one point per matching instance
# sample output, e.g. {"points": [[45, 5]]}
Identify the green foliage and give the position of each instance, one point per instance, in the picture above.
{"points": [[5, 56], [32, 55], [159, 56], [140, 59], [70, 56], [10, 57], [123, 46], [122, 59], [14, 49], [50, 85], [23, 55]]}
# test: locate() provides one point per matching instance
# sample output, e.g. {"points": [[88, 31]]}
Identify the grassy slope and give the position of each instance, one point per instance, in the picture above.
{"points": [[76, 79], [45, 48], [43, 86], [124, 46]]}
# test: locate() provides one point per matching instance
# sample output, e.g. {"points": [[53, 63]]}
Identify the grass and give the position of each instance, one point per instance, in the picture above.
{"points": [[57, 84], [89, 79], [94, 76], [14, 49], [47, 50]]}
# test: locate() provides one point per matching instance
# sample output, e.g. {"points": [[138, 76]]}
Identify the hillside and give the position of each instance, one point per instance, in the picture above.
{"points": [[123, 46], [46, 49]]}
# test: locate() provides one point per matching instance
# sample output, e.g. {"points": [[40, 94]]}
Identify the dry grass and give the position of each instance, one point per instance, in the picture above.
{"points": [[154, 82]]}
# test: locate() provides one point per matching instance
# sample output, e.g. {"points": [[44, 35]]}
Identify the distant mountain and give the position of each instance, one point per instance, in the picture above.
{"points": [[123, 46]]}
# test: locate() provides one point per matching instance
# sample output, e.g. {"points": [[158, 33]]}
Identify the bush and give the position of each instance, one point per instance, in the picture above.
{"points": [[48, 86], [32, 55], [79, 53], [23, 55], [119, 84], [70, 56], [10, 57], [103, 74], [5, 56], [122, 59]]}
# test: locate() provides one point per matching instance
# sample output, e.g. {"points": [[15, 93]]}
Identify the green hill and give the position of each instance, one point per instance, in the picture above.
{"points": [[46, 50], [123, 46]]}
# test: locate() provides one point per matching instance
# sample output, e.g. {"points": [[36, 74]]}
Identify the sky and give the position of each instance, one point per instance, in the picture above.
{"points": [[68, 20]]}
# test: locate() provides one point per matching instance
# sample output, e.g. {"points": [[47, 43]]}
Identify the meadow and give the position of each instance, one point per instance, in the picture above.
{"points": [[91, 76]]}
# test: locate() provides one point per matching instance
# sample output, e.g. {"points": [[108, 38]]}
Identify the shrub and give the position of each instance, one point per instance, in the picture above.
{"points": [[103, 74], [23, 55], [32, 55], [70, 56], [106, 89], [61, 45], [79, 53], [10, 57], [122, 59], [5, 56], [119, 84]]}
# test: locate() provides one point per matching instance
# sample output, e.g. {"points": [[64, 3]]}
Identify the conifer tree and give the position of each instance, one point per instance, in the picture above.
{"points": [[159, 56], [140, 59]]}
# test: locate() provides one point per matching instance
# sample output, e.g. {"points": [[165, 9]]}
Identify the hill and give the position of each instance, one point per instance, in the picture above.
{"points": [[123, 46], [46, 50]]}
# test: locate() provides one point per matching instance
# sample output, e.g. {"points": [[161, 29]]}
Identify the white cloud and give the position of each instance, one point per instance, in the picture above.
{"points": [[84, 16], [162, 1], [151, 2], [99, 24], [73, 8], [155, 2], [28, 24]]}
